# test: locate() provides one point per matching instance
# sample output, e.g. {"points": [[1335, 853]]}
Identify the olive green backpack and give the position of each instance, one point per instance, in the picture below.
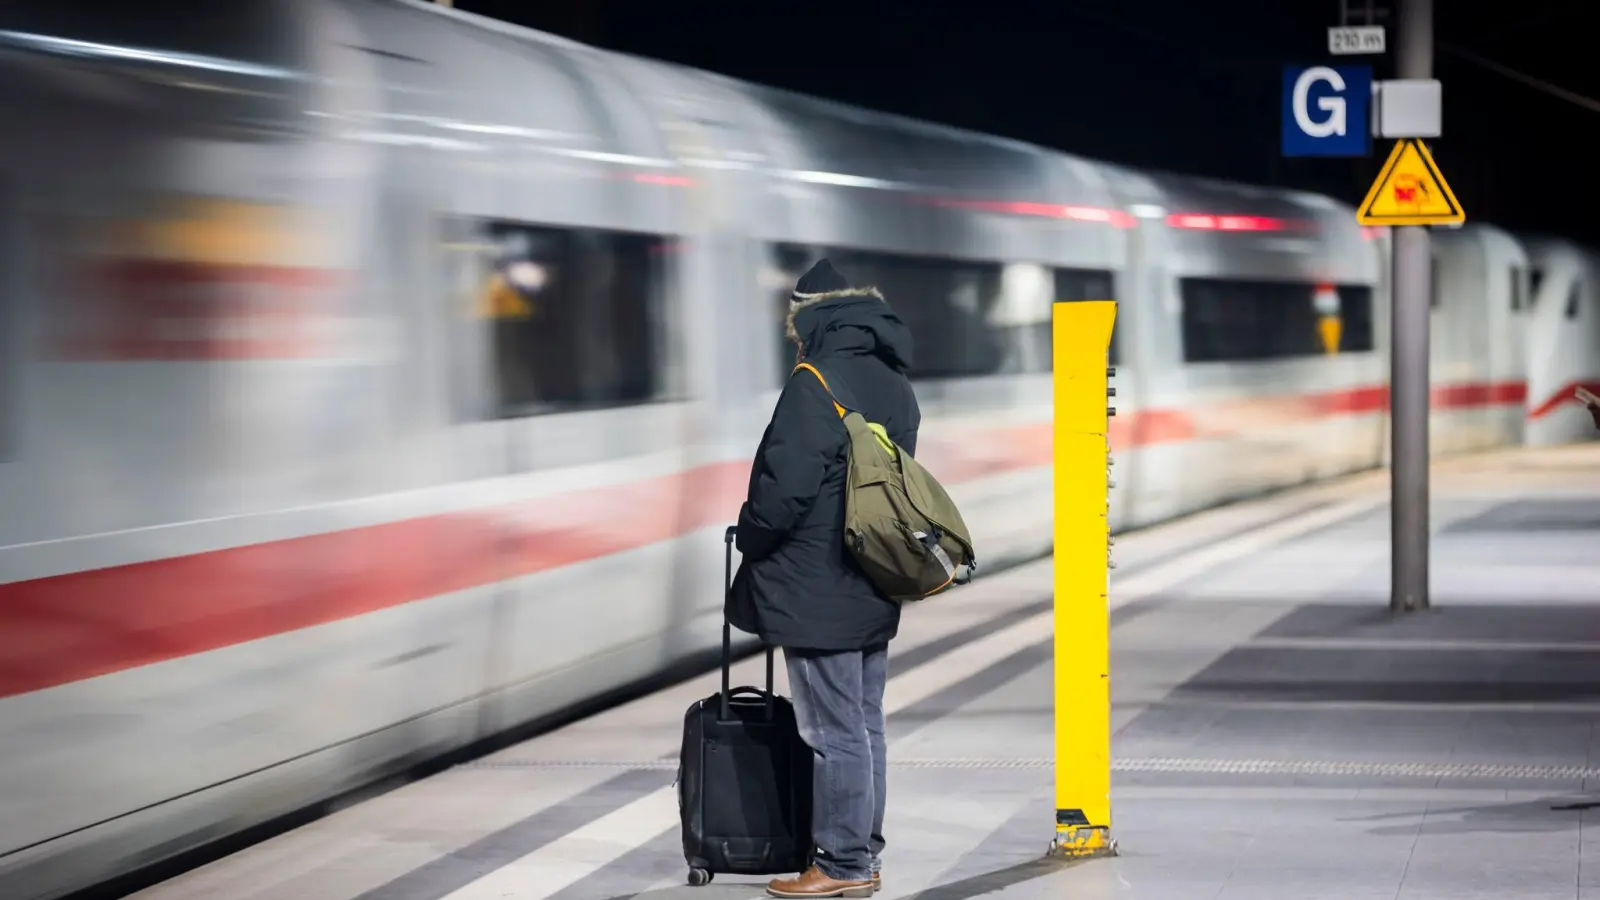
{"points": [[899, 523]]}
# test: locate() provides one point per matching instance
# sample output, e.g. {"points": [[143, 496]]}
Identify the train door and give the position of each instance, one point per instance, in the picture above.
{"points": [[1508, 345], [720, 308], [1145, 353], [11, 346], [1563, 336], [1133, 290], [700, 127]]}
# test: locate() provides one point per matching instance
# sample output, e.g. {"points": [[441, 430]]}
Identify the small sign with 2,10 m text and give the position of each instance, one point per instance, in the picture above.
{"points": [[1352, 40]]}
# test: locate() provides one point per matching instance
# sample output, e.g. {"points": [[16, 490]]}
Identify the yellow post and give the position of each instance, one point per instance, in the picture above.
{"points": [[1081, 341]]}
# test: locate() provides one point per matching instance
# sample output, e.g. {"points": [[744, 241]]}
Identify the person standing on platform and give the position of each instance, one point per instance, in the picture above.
{"points": [[797, 587]]}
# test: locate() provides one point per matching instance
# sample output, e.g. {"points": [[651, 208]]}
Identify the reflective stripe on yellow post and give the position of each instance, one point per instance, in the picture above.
{"points": [[1081, 341]]}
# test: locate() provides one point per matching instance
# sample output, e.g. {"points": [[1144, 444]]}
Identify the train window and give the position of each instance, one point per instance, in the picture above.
{"points": [[1355, 314], [949, 305], [1535, 278], [1433, 282], [1238, 321], [1247, 320], [1517, 283], [577, 316], [1572, 299], [966, 318]]}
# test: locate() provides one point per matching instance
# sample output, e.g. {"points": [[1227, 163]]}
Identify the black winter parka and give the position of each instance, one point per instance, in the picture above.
{"points": [[797, 585]]}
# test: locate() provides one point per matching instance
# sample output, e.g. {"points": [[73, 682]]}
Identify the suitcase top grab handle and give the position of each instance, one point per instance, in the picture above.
{"points": [[726, 712]]}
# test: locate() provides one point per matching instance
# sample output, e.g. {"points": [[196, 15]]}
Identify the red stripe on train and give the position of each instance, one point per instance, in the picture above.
{"points": [[72, 627], [1566, 396]]}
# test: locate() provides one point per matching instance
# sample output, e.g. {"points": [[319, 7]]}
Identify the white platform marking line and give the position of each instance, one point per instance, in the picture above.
{"points": [[924, 681], [1442, 645], [580, 853], [1168, 575]]}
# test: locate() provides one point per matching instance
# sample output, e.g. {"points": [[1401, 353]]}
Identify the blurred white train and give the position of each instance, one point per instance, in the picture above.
{"points": [[374, 378]]}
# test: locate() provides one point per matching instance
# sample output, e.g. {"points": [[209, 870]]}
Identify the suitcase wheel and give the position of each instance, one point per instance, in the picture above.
{"points": [[699, 877]]}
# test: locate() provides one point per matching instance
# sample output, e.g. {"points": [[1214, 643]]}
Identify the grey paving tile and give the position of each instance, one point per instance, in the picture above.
{"points": [[1359, 888], [1487, 828], [1111, 880], [1512, 622], [657, 863], [1458, 883]]}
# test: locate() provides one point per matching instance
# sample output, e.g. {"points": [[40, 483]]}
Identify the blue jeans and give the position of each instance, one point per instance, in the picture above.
{"points": [[838, 699]]}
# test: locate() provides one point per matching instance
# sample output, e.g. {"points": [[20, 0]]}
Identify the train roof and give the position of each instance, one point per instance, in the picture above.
{"points": [[1245, 198]]}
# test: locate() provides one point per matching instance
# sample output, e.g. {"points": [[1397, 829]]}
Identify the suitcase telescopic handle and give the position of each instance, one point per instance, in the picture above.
{"points": [[727, 631]]}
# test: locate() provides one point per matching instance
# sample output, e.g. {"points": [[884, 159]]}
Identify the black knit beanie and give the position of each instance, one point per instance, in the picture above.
{"points": [[820, 279]]}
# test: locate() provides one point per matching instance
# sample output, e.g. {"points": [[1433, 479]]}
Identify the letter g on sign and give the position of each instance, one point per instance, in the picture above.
{"points": [[1334, 106]]}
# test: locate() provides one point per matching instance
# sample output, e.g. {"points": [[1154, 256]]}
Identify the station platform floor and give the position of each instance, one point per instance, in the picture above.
{"points": [[1277, 734]]}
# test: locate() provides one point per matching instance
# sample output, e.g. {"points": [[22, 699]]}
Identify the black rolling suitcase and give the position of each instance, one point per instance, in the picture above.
{"points": [[744, 777]]}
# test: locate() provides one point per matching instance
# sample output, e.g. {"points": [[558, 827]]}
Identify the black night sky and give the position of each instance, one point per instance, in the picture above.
{"points": [[1184, 85]]}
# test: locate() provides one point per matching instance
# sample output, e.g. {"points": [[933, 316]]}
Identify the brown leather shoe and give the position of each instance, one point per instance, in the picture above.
{"points": [[877, 882], [813, 883]]}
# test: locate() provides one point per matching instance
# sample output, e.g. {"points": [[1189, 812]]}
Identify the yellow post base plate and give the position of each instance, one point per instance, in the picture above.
{"points": [[1083, 842]]}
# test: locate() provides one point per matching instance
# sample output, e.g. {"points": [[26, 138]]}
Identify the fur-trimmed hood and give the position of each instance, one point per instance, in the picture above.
{"points": [[853, 321], [806, 301]]}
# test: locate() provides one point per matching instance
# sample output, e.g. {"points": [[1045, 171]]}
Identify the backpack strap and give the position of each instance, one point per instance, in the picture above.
{"points": [[813, 370], [878, 431]]}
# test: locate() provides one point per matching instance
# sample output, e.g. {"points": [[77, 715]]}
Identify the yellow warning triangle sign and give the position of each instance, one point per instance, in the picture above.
{"points": [[1410, 191]]}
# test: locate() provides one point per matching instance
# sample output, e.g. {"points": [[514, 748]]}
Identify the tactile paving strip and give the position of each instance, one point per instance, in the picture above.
{"points": [[1160, 765], [1369, 770]]}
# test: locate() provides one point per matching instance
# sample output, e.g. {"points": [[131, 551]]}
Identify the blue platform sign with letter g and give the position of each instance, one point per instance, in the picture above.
{"points": [[1325, 110]]}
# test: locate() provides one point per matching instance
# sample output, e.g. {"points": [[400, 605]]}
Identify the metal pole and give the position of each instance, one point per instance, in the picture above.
{"points": [[1409, 355], [1415, 57]]}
